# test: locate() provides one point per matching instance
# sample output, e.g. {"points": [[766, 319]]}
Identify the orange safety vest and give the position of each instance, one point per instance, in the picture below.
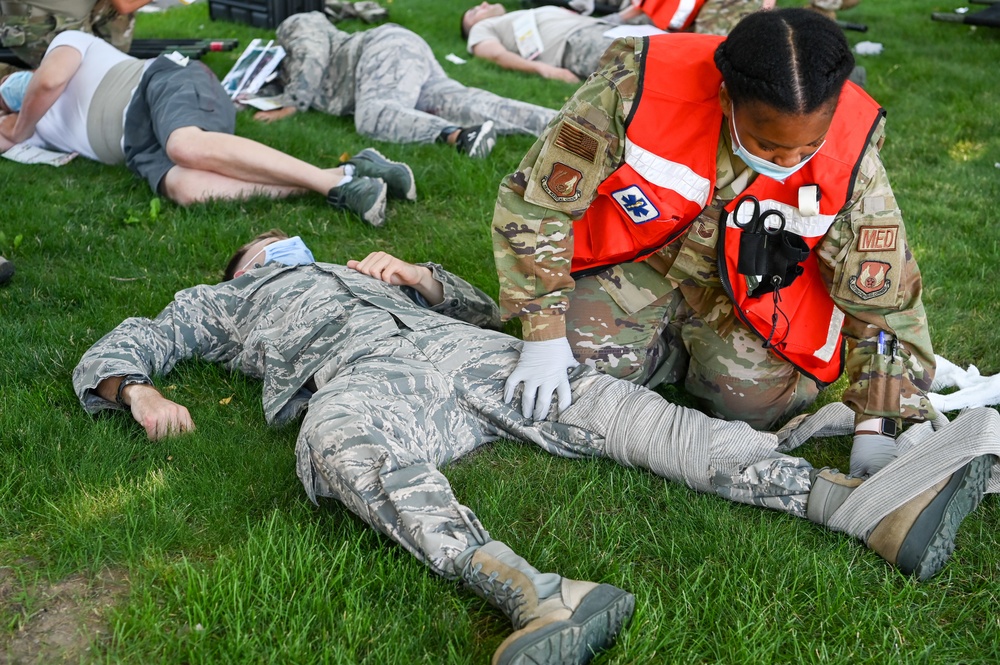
{"points": [[672, 15], [668, 178]]}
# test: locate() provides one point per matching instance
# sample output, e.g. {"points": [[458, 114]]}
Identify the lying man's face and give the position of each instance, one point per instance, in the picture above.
{"points": [[483, 10]]}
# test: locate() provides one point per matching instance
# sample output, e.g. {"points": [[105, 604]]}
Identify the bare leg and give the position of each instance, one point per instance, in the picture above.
{"points": [[245, 160], [188, 186]]}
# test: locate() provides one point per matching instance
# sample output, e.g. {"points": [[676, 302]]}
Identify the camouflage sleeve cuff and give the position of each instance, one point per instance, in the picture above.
{"points": [[541, 327], [463, 301]]}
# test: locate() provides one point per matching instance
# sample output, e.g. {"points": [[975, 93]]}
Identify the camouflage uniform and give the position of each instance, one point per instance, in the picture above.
{"points": [[718, 17], [629, 318], [28, 27], [388, 78], [394, 390]]}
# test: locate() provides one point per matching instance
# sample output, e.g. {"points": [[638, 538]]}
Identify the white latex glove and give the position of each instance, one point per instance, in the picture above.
{"points": [[542, 369], [870, 453]]}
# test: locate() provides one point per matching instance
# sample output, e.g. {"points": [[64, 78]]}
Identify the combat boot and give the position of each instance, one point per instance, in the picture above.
{"points": [[557, 621], [919, 536], [397, 175]]}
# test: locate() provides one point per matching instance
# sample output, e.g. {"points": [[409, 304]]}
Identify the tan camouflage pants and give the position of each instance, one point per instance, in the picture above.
{"points": [[732, 375]]}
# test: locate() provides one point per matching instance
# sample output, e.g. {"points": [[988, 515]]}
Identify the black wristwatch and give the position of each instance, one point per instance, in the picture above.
{"points": [[130, 380], [886, 427]]}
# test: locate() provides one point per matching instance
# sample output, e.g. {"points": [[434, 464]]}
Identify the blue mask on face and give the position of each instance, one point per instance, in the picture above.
{"points": [[13, 90], [761, 165], [287, 252]]}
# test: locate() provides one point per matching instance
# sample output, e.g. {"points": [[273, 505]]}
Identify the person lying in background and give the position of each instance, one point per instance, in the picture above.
{"points": [[176, 130], [389, 80]]}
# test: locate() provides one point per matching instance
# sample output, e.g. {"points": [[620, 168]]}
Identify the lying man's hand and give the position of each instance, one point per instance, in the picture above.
{"points": [[389, 269], [276, 114], [557, 73], [159, 416]]}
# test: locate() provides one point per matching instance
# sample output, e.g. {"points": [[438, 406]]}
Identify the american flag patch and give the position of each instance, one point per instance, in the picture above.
{"points": [[574, 140]]}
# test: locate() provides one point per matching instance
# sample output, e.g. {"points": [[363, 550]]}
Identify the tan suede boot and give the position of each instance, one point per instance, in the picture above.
{"points": [[557, 621], [919, 536]]}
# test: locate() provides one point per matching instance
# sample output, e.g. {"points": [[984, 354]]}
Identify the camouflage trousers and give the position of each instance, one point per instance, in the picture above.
{"points": [[584, 49], [731, 375], [376, 434], [404, 96]]}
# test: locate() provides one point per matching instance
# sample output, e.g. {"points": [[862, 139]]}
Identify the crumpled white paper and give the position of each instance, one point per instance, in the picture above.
{"points": [[868, 48], [974, 389]]}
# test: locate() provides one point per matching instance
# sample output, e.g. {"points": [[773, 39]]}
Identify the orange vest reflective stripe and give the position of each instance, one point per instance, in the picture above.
{"points": [[671, 15], [668, 177]]}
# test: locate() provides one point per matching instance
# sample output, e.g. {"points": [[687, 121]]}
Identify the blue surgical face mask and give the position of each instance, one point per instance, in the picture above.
{"points": [[287, 252], [761, 165], [13, 89]]}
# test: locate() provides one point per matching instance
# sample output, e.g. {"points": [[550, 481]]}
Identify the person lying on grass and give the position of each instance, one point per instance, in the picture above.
{"points": [[175, 130], [390, 81], [399, 370]]}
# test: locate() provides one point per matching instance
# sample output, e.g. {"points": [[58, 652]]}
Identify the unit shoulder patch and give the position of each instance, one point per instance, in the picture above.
{"points": [[562, 183], [872, 280]]}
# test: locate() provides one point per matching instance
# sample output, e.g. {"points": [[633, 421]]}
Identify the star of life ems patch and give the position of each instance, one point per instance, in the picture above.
{"points": [[636, 204]]}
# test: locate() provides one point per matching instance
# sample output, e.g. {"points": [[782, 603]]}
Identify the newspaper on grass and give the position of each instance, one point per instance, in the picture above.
{"points": [[256, 66], [29, 154]]}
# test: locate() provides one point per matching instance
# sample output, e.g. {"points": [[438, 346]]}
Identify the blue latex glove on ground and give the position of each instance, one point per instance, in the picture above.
{"points": [[870, 453], [542, 369]]}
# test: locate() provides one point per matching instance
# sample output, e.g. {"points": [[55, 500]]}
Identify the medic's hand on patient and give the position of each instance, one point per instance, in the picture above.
{"points": [[542, 369], [870, 453]]}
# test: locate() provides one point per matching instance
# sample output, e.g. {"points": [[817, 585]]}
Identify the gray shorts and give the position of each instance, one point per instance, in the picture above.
{"points": [[170, 97]]}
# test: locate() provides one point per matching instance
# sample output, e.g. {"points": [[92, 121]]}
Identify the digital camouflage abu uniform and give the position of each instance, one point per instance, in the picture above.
{"points": [[631, 318], [393, 390], [27, 28], [388, 78]]}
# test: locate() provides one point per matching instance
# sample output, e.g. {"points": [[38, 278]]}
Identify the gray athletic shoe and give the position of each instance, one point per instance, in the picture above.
{"points": [[477, 142], [6, 270], [363, 196], [397, 175]]}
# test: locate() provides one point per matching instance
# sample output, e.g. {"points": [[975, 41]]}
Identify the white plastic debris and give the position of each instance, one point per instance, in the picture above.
{"points": [[974, 389], [962, 10], [451, 57], [868, 48]]}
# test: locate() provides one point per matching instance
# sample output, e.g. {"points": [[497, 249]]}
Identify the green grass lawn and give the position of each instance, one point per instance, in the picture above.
{"points": [[219, 557]]}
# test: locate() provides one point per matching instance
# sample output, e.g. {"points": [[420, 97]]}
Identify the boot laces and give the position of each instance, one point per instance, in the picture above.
{"points": [[504, 595]]}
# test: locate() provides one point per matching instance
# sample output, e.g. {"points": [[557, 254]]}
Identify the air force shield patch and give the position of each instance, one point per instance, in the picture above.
{"points": [[562, 183], [636, 204]]}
